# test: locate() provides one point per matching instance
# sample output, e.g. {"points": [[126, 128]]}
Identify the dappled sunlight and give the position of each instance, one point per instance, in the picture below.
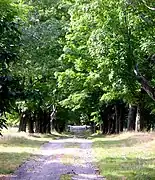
{"points": [[130, 156], [126, 140], [52, 161], [16, 148], [19, 150], [72, 140], [123, 135], [9, 161], [19, 144], [86, 177], [12, 132], [55, 158], [59, 151], [12, 141], [75, 73]]}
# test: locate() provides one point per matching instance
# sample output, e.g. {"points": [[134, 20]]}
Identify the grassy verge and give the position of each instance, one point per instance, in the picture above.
{"points": [[15, 148], [126, 156]]}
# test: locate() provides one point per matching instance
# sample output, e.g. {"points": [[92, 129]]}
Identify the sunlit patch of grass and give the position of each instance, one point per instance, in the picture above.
{"points": [[126, 156], [54, 135], [15, 150], [16, 147], [10, 161], [66, 177], [69, 159]]}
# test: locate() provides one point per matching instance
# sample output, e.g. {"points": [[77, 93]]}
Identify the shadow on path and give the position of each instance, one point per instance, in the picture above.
{"points": [[50, 167]]}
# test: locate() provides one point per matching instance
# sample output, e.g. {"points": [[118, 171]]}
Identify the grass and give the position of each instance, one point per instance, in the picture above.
{"points": [[66, 177], [69, 159], [126, 156], [15, 148]]}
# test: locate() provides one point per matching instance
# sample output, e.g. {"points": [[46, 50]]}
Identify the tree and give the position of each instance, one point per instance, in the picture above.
{"points": [[40, 60], [106, 39], [78, 58], [9, 50]]}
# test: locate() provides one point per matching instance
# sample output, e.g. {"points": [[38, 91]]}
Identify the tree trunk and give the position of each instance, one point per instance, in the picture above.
{"points": [[38, 122], [110, 124], [43, 126], [113, 128], [22, 123], [132, 117], [121, 120], [37, 125], [145, 84], [137, 121], [48, 125], [145, 118], [122, 116], [105, 117], [92, 127], [30, 125], [117, 118]]}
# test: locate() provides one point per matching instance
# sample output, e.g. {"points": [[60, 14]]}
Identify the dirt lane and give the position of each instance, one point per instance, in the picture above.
{"points": [[64, 157]]}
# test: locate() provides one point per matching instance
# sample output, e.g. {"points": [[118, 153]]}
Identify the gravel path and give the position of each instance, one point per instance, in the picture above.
{"points": [[51, 164]]}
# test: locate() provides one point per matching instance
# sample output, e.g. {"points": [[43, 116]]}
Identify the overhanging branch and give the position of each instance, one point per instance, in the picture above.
{"points": [[151, 8], [145, 83]]}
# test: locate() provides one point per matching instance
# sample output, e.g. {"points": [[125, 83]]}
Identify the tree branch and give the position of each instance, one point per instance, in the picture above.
{"points": [[145, 84], [151, 8]]}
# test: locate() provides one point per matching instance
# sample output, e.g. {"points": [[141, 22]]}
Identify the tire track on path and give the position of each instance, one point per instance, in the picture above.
{"points": [[51, 165]]}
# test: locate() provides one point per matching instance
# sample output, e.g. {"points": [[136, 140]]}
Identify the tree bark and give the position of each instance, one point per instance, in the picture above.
{"points": [[145, 84], [137, 120], [145, 118], [38, 122], [93, 129], [22, 123], [132, 117], [121, 121], [48, 125], [117, 117], [30, 126]]}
